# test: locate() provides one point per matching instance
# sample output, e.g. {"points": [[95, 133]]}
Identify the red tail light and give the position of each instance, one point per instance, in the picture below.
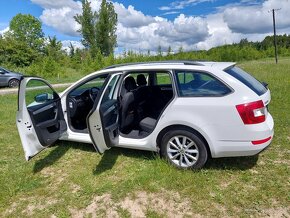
{"points": [[253, 112], [258, 142]]}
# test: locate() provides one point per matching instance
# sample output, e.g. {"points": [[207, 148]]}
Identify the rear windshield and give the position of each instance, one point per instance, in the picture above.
{"points": [[247, 79]]}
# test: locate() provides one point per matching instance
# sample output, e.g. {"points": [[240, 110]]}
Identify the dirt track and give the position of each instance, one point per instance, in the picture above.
{"points": [[6, 91]]}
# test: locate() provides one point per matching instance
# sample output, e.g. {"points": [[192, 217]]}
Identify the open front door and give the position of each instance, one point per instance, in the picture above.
{"points": [[103, 121], [39, 119]]}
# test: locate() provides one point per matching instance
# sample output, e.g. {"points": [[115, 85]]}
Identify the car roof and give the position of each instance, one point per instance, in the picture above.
{"points": [[163, 65], [173, 64]]}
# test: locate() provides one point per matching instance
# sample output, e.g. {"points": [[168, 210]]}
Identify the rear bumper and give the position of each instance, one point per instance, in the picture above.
{"points": [[259, 140], [236, 149]]}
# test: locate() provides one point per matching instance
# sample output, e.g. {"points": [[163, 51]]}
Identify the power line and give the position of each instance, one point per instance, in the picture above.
{"points": [[274, 27]]}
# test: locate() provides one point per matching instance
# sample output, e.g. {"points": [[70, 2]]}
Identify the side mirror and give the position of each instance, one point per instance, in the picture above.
{"points": [[43, 97], [2, 72]]}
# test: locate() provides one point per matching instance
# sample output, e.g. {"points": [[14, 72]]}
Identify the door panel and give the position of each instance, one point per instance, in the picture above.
{"points": [[103, 120], [40, 119], [47, 121], [109, 112]]}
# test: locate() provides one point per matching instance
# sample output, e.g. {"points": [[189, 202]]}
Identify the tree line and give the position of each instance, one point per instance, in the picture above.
{"points": [[25, 47]]}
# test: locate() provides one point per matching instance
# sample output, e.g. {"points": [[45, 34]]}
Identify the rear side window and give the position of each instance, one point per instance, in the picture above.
{"points": [[247, 79], [163, 79], [199, 84]]}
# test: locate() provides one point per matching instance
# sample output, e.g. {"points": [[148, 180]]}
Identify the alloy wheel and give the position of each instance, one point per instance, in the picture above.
{"points": [[182, 151]]}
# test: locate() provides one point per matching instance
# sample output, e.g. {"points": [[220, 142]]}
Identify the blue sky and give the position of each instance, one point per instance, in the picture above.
{"points": [[144, 25]]}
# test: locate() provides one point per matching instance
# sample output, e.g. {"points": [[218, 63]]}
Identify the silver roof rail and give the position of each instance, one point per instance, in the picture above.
{"points": [[184, 62]]}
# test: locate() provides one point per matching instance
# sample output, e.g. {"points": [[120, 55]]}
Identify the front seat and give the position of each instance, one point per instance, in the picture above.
{"points": [[141, 80], [141, 97], [128, 106]]}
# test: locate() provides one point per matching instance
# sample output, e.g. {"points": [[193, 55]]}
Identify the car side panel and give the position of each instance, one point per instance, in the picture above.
{"points": [[4, 79], [217, 119]]}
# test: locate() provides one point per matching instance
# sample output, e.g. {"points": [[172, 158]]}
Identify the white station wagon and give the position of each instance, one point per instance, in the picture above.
{"points": [[186, 110]]}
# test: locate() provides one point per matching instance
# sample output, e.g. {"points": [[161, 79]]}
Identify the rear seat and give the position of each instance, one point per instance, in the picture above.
{"points": [[147, 124]]}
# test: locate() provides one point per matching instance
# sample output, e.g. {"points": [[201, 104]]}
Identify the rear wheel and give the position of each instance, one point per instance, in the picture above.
{"points": [[13, 83], [184, 149]]}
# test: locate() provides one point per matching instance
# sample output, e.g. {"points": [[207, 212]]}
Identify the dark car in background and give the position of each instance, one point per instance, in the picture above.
{"points": [[9, 78]]}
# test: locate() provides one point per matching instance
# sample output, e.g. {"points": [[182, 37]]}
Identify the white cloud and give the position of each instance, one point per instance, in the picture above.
{"points": [[135, 30], [61, 19], [66, 45], [171, 12], [59, 15], [129, 17], [257, 19], [140, 32], [182, 4], [219, 32], [4, 30], [183, 31], [48, 4], [189, 30]]}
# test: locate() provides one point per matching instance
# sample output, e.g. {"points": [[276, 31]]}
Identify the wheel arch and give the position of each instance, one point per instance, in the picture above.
{"points": [[182, 127]]}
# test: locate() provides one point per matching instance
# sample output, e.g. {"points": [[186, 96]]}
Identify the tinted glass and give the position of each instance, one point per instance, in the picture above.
{"points": [[109, 92], [247, 79], [198, 84], [96, 83], [163, 79]]}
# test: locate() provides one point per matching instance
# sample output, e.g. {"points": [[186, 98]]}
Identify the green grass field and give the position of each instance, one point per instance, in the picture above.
{"points": [[71, 179]]}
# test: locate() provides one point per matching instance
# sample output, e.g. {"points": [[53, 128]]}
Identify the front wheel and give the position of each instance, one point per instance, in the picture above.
{"points": [[184, 149], [13, 83]]}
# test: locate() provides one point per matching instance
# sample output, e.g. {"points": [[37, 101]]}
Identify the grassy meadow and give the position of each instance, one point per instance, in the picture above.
{"points": [[72, 180]]}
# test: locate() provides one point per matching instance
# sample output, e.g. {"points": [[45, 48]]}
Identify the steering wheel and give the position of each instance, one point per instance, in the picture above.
{"points": [[94, 93]]}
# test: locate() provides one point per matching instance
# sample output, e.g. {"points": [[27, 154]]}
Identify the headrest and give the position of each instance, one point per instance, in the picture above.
{"points": [[130, 83], [141, 80]]}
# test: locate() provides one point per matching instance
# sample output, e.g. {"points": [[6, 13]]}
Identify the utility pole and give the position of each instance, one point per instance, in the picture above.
{"points": [[274, 27]]}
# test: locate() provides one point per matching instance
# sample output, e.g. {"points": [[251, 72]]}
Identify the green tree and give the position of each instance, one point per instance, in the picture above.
{"points": [[169, 50], [106, 28], [15, 53], [88, 20], [28, 29], [71, 50], [159, 50], [53, 48], [98, 29]]}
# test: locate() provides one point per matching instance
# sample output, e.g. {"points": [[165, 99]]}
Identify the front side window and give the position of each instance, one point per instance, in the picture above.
{"points": [[199, 84], [38, 93]]}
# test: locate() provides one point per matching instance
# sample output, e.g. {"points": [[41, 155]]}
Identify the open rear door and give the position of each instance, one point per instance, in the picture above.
{"points": [[103, 121], [39, 119]]}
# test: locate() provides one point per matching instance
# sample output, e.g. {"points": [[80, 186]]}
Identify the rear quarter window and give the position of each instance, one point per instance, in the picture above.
{"points": [[247, 79]]}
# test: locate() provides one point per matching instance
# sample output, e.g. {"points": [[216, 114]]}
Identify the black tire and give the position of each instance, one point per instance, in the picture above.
{"points": [[194, 147], [13, 83]]}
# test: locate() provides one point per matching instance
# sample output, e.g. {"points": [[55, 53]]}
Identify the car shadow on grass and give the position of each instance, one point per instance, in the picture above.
{"points": [[107, 162], [232, 163], [59, 150], [110, 157]]}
